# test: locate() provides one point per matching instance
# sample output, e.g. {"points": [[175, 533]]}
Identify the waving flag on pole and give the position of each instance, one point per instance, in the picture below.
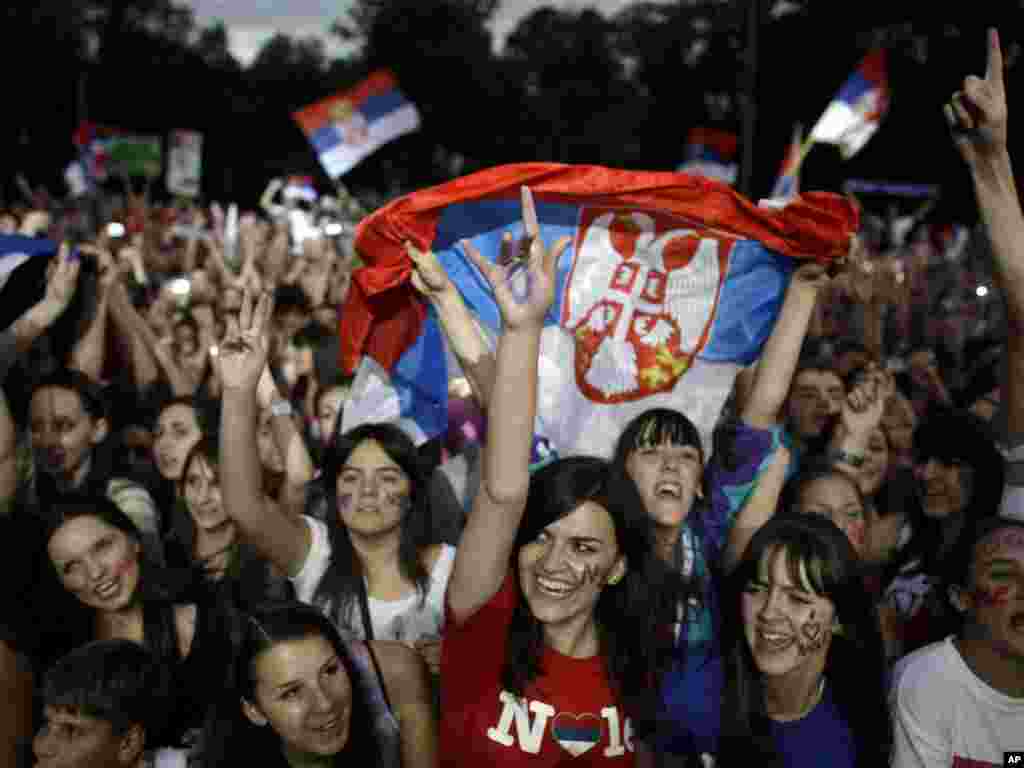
{"points": [[671, 284], [348, 126], [787, 185], [711, 153], [855, 113]]}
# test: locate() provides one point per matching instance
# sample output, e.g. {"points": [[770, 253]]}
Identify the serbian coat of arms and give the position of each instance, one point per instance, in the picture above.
{"points": [[640, 300]]}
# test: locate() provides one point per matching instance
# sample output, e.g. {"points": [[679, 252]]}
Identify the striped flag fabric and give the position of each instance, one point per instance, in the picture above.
{"points": [[857, 110], [711, 152], [350, 125], [672, 283], [787, 185]]}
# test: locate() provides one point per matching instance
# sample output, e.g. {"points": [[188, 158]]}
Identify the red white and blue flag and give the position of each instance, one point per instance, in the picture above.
{"points": [[672, 283], [711, 152], [787, 185], [350, 125], [300, 188], [854, 114]]}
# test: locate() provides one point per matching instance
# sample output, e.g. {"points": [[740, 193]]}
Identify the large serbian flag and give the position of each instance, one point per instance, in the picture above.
{"points": [[671, 284], [854, 114], [348, 126]]}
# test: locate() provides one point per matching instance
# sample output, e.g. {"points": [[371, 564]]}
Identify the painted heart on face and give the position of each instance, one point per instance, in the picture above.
{"points": [[576, 734]]}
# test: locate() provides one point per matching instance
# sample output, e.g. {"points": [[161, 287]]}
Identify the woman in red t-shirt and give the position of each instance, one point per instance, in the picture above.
{"points": [[557, 605]]}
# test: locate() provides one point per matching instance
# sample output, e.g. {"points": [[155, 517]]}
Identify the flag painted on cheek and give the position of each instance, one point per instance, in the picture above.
{"points": [[671, 283]]}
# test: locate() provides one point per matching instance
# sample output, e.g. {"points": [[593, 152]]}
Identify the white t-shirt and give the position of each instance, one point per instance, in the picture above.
{"points": [[404, 620], [945, 715]]}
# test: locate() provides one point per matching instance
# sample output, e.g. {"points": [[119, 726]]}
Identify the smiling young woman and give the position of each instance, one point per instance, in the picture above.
{"points": [[799, 676], [298, 694], [557, 595]]}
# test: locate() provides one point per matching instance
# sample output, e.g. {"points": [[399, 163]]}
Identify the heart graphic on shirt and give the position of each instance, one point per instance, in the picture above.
{"points": [[576, 734]]}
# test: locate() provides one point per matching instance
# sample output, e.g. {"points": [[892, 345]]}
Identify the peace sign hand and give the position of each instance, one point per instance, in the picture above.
{"points": [[977, 115], [243, 352], [528, 310]]}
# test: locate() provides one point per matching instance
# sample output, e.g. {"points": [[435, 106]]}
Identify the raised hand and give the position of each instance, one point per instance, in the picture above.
{"points": [[242, 354], [428, 276], [810, 277], [527, 310], [61, 279], [977, 114], [862, 411]]}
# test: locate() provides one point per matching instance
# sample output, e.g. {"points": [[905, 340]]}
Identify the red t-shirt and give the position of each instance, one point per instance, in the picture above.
{"points": [[568, 712]]}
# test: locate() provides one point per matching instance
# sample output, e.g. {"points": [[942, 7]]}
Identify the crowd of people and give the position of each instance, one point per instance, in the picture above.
{"points": [[205, 568]]}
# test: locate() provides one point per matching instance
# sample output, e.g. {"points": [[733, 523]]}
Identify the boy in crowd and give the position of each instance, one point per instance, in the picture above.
{"points": [[103, 705], [960, 702]]}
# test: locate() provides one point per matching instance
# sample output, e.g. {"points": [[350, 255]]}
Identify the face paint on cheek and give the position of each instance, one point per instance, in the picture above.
{"points": [[592, 574], [855, 533], [811, 636], [124, 566], [994, 596], [345, 503]]}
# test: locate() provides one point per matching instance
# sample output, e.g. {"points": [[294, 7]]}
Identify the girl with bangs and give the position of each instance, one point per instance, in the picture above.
{"points": [[799, 676], [695, 512]]}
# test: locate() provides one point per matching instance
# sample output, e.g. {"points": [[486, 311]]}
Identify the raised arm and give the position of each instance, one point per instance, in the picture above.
{"points": [[298, 466], [774, 371], [89, 351], [758, 509], [457, 322], [977, 115], [60, 287], [282, 539], [482, 559]]}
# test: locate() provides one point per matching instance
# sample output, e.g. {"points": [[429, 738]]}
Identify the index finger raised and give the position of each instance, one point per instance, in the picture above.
{"points": [[530, 221], [994, 62]]}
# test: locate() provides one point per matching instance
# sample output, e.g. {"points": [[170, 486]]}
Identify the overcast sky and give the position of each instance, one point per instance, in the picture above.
{"points": [[251, 23]]}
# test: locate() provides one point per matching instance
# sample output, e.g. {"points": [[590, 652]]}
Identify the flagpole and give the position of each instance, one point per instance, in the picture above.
{"points": [[750, 107]]}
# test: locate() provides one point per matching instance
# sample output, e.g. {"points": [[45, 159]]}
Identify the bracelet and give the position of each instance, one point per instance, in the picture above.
{"points": [[853, 459], [281, 408]]}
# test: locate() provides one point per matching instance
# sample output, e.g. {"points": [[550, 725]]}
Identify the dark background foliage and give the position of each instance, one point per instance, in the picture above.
{"points": [[568, 86]]}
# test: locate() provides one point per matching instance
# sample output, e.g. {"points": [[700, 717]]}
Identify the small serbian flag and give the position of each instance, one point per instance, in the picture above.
{"points": [[92, 142], [856, 111], [787, 184], [671, 284], [300, 188], [711, 153], [348, 126]]}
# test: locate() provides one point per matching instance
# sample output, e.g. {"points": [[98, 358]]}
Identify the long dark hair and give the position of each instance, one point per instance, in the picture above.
{"points": [[634, 616], [94, 405], [248, 578], [954, 437], [231, 739], [342, 585], [655, 427], [855, 665], [159, 589]]}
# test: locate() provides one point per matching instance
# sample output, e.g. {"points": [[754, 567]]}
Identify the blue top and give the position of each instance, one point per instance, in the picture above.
{"points": [[692, 698], [742, 453]]}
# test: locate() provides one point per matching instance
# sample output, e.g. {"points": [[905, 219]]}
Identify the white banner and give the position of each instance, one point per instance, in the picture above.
{"points": [[184, 163]]}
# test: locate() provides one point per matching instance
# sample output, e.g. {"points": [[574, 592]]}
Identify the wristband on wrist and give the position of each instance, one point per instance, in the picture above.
{"points": [[853, 459], [281, 408]]}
